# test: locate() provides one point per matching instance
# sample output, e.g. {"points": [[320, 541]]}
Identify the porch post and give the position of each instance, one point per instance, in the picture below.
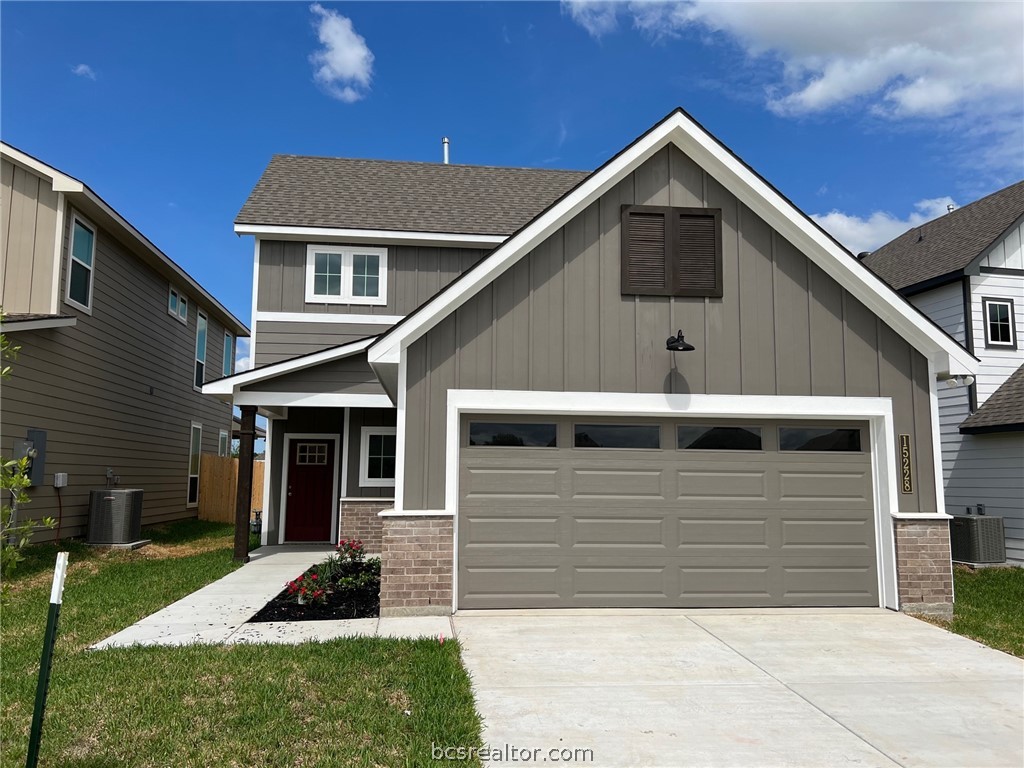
{"points": [[243, 500]]}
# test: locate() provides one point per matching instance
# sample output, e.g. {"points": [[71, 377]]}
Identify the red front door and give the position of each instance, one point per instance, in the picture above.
{"points": [[309, 495]]}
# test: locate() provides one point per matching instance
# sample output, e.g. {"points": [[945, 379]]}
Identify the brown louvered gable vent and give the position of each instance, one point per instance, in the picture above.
{"points": [[645, 267], [671, 251]]}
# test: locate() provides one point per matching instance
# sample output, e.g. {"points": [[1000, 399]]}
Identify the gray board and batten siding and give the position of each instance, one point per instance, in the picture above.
{"points": [[115, 390], [415, 273], [351, 375], [29, 207], [557, 321]]}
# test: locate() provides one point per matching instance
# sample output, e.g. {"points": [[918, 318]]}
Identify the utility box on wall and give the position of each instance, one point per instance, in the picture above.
{"points": [[34, 447]]}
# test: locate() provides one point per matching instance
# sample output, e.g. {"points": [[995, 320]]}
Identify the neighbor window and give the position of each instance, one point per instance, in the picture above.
{"points": [[377, 457], [718, 438], [617, 436], [819, 439], [177, 305], [512, 434], [81, 262], [223, 443], [195, 447], [229, 354], [346, 275], [200, 371], [1000, 330], [671, 251]]}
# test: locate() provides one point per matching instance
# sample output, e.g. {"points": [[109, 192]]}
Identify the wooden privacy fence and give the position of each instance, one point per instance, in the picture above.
{"points": [[218, 484]]}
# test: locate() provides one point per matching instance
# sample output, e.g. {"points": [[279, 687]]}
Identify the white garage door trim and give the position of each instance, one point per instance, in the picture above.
{"points": [[877, 411]]}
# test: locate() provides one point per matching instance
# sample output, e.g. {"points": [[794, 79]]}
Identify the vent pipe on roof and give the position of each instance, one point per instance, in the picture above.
{"points": [[950, 208], [444, 144]]}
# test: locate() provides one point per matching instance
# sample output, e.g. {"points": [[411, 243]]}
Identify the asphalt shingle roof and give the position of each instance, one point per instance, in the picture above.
{"points": [[1004, 407], [950, 242], [302, 191]]}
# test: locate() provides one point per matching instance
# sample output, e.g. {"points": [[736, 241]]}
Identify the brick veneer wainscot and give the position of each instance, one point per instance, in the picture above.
{"points": [[923, 568], [360, 519], [416, 566]]}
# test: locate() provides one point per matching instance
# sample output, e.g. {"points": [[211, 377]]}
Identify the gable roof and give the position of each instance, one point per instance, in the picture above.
{"points": [[739, 179], [82, 196], [949, 243], [346, 193], [1003, 411]]}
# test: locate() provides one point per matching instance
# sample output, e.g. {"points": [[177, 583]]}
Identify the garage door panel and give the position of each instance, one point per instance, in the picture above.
{"points": [[707, 532], [700, 485], [837, 486], [836, 581], [624, 583], [510, 530], [504, 482], [640, 484], [620, 530], [498, 586], [726, 584], [831, 532]]}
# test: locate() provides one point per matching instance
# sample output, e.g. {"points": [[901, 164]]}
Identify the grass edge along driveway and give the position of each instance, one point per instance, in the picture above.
{"points": [[352, 702]]}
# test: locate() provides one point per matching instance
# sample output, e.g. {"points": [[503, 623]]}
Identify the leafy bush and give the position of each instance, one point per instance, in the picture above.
{"points": [[346, 579]]}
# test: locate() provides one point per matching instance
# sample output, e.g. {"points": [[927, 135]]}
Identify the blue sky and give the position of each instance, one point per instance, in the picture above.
{"points": [[871, 116]]}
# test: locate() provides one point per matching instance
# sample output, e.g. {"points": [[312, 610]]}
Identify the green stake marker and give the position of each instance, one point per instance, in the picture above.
{"points": [[49, 639]]}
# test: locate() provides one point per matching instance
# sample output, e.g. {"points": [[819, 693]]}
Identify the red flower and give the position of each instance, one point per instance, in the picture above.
{"points": [[313, 577]]}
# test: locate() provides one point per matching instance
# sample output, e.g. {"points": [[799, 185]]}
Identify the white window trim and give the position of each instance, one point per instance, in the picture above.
{"points": [[346, 297], [1008, 303], [223, 439], [227, 366], [364, 450], [181, 298], [192, 427], [77, 217], [200, 315]]}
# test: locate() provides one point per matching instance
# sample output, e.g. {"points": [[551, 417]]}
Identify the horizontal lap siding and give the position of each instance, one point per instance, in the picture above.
{"points": [[348, 375], [89, 387], [557, 321], [27, 239], [997, 365], [277, 341]]}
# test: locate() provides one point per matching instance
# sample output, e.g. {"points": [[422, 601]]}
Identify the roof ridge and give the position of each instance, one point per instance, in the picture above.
{"points": [[432, 163]]}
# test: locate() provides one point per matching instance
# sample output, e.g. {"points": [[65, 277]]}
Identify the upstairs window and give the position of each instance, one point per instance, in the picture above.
{"points": [[346, 275], [671, 251], [81, 260], [1000, 330], [177, 305], [229, 354], [200, 371]]}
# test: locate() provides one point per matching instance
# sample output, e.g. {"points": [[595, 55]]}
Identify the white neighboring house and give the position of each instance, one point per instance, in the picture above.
{"points": [[965, 271]]}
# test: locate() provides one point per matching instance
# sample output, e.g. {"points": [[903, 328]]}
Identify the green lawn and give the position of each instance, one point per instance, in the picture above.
{"points": [[989, 607], [342, 703]]}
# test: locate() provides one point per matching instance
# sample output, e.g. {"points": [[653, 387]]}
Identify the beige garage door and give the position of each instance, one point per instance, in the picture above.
{"points": [[598, 512]]}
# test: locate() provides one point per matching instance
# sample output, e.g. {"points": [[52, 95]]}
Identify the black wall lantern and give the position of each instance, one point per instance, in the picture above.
{"points": [[678, 344]]}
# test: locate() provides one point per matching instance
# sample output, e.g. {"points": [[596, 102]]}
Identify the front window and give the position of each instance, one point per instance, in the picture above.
{"points": [[81, 258], [195, 448], [177, 305], [200, 371], [377, 457], [346, 275], [1000, 330]]}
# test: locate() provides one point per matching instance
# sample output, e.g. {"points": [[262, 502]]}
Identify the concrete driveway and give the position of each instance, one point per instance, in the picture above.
{"points": [[787, 687]]}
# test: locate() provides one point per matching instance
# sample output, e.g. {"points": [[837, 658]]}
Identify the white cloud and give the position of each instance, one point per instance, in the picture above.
{"points": [[596, 16], [866, 234], [242, 361], [343, 67], [84, 70]]}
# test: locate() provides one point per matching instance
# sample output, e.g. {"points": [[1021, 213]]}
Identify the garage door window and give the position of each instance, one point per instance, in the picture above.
{"points": [[693, 438], [819, 439], [617, 436], [512, 434]]}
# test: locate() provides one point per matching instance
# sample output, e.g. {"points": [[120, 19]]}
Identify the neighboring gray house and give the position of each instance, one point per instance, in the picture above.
{"points": [[116, 344], [468, 367], [965, 271]]}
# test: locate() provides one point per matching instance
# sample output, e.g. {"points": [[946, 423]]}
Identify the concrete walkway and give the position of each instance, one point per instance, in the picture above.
{"points": [[804, 688], [218, 612]]}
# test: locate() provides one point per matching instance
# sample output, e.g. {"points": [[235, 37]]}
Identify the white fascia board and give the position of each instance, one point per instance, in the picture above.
{"points": [[325, 317], [312, 399], [229, 384], [368, 236], [13, 326], [749, 189], [61, 182]]}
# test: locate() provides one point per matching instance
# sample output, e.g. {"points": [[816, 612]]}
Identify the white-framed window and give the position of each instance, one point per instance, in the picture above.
{"points": [[228, 365], [223, 443], [177, 304], [81, 264], [195, 449], [346, 275], [377, 457], [1000, 325], [200, 372]]}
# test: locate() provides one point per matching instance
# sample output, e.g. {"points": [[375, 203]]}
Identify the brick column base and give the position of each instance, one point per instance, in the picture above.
{"points": [[923, 569], [359, 520], [416, 566]]}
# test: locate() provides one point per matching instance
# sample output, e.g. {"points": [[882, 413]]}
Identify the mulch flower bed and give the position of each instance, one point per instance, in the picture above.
{"points": [[345, 586]]}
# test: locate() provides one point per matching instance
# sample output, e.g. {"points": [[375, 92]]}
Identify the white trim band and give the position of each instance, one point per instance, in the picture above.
{"points": [[379, 236], [325, 317], [313, 399], [415, 513]]}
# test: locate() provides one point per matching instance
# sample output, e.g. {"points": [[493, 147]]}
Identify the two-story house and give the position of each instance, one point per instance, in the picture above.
{"points": [[116, 342], [658, 384], [965, 270]]}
